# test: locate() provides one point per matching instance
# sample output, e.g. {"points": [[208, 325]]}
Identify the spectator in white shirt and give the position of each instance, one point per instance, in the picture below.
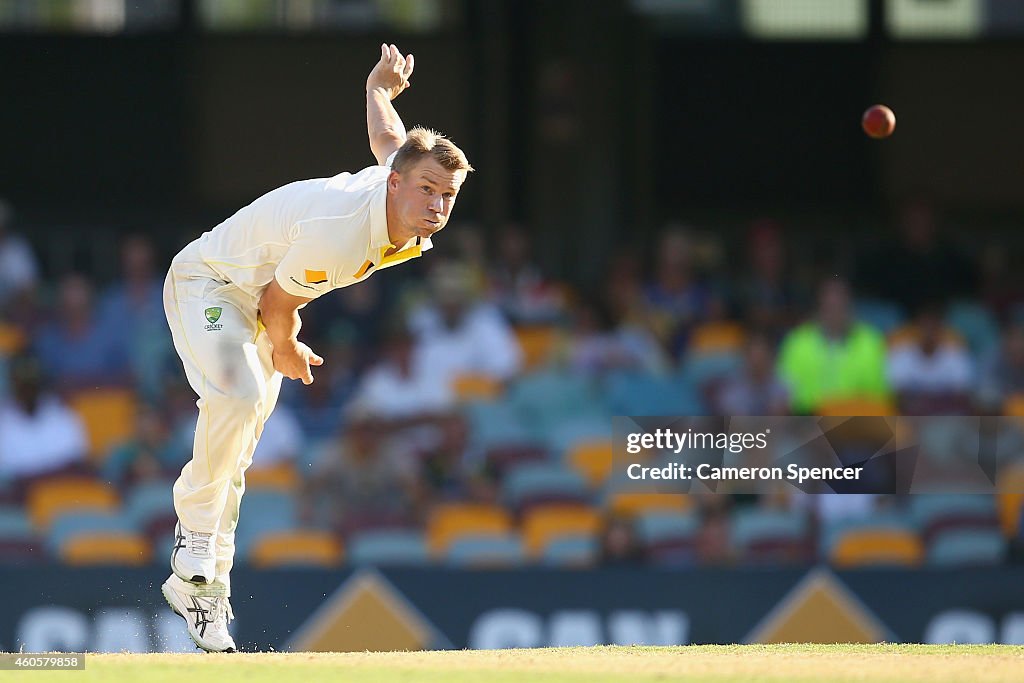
{"points": [[38, 433], [457, 334], [931, 361], [18, 267]]}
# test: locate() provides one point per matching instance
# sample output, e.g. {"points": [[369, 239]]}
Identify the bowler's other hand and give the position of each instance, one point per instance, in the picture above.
{"points": [[391, 74], [293, 362]]}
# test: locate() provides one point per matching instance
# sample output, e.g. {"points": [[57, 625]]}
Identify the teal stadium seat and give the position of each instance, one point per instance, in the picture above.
{"points": [[976, 325], [14, 523], [504, 550], [536, 483], [390, 547], [545, 400], [885, 316], [574, 550], [637, 393], [66, 526], [699, 369], [772, 535], [831, 534], [496, 424], [937, 512], [668, 537], [962, 547], [149, 500]]}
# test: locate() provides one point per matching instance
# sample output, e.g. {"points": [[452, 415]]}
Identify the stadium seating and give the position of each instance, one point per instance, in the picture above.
{"points": [[565, 436], [545, 400], [701, 369], [280, 476], [976, 324], [497, 424], [572, 550], [936, 513], [761, 536], [668, 537], [856, 407], [592, 460], [48, 498], [491, 550], [69, 525], [108, 415], [537, 343], [639, 393], [107, 548], [450, 522], [476, 387], [297, 547], [538, 483], [543, 524], [147, 501], [391, 547], [1010, 498], [717, 337], [883, 315], [638, 503], [967, 547], [15, 523], [877, 546]]}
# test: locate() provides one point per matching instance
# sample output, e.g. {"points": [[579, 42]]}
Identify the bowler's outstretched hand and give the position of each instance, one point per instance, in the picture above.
{"points": [[391, 74]]}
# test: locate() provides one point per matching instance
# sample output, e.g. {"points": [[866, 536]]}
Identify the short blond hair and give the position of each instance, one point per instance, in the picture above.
{"points": [[422, 142]]}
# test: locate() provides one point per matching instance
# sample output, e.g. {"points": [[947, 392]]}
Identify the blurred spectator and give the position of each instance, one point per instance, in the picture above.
{"points": [[77, 349], [518, 286], [675, 299], [1002, 375], [921, 268], [457, 335], [597, 343], [282, 440], [713, 539], [318, 407], [833, 357], [150, 453], [19, 270], [446, 469], [399, 386], [134, 306], [619, 544], [930, 362], [754, 389], [361, 477], [38, 433], [765, 293]]}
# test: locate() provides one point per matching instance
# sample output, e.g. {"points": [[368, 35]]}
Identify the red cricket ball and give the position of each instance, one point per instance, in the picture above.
{"points": [[878, 121]]}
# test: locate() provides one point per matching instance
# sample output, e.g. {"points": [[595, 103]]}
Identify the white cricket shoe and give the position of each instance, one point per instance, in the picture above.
{"points": [[205, 609], [192, 558]]}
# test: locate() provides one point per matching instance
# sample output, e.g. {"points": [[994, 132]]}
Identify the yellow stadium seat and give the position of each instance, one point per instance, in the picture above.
{"points": [[537, 342], [1014, 405], [545, 523], [856, 407], [593, 460], [51, 497], [107, 548], [877, 547], [637, 503], [452, 521], [907, 334], [475, 387], [1010, 500], [12, 339], [309, 548], [108, 416], [717, 337], [277, 477]]}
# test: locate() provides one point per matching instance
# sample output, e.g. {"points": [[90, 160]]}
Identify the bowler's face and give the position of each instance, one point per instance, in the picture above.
{"points": [[423, 198]]}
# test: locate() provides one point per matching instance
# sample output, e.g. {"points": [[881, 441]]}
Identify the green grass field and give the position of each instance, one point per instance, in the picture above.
{"points": [[706, 664]]}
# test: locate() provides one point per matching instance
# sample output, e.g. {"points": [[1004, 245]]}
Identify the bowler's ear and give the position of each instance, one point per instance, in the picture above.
{"points": [[393, 178]]}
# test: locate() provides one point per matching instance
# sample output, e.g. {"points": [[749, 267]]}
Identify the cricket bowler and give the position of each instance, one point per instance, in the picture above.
{"points": [[232, 299]]}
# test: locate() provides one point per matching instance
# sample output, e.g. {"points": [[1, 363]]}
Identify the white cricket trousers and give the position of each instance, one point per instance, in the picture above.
{"points": [[228, 362]]}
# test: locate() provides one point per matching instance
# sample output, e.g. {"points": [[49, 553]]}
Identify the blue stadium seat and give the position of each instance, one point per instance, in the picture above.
{"points": [[496, 424], [656, 528], [561, 439], [574, 550], [937, 512], [886, 316], [699, 369], [544, 400], [638, 393], [392, 547], [961, 547], [976, 324], [69, 525], [769, 534], [14, 523], [263, 512], [146, 501], [487, 550], [534, 483]]}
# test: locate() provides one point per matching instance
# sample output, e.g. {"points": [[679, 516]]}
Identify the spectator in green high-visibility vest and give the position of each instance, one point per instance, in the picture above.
{"points": [[833, 357]]}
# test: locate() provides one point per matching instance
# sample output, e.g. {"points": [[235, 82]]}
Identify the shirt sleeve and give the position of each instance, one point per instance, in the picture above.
{"points": [[315, 261]]}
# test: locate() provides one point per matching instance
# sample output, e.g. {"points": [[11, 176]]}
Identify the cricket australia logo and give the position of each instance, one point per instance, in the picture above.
{"points": [[213, 315]]}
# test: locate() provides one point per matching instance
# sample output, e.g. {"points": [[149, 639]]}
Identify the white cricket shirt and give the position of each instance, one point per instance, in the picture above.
{"points": [[312, 236]]}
